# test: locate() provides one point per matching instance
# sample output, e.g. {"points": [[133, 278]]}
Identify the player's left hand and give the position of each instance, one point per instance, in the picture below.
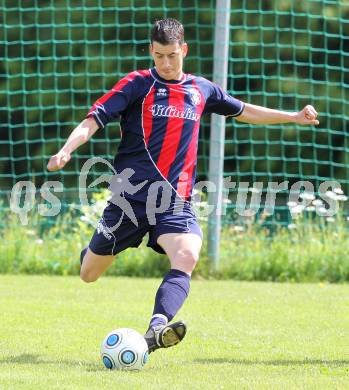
{"points": [[58, 161], [307, 116]]}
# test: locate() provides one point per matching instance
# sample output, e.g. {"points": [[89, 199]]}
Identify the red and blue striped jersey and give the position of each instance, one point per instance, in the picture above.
{"points": [[160, 122]]}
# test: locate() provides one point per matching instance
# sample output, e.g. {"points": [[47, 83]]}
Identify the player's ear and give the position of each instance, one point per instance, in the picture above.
{"points": [[151, 49], [185, 49]]}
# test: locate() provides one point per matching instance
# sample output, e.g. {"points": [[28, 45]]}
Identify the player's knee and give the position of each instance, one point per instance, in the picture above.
{"points": [[187, 258], [88, 277]]}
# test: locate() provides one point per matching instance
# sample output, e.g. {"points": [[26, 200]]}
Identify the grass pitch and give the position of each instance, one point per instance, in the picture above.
{"points": [[241, 335]]}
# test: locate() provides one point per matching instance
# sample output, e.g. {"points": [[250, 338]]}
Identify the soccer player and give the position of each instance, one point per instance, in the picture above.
{"points": [[160, 110]]}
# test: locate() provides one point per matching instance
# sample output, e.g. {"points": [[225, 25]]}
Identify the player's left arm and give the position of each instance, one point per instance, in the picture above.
{"points": [[259, 115]]}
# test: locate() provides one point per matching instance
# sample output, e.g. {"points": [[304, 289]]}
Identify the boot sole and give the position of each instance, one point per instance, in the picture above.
{"points": [[170, 337]]}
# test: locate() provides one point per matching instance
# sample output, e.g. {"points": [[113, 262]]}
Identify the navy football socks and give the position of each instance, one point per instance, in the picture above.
{"points": [[170, 297]]}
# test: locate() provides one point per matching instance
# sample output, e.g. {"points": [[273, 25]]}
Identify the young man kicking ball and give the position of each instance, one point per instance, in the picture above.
{"points": [[160, 110]]}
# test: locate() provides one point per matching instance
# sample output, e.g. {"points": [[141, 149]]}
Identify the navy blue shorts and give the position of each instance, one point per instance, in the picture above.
{"points": [[116, 231]]}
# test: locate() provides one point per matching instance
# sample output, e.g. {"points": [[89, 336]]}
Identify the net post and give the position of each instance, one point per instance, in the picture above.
{"points": [[216, 160]]}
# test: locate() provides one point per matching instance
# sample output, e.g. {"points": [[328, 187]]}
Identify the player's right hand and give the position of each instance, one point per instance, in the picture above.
{"points": [[58, 161]]}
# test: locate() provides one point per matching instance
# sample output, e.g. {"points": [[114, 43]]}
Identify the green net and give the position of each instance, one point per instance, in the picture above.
{"points": [[58, 57]]}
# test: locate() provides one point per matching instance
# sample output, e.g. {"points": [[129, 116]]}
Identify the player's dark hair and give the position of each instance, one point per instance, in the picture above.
{"points": [[167, 31]]}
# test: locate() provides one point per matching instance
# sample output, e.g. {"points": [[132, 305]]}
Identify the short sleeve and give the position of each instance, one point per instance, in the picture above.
{"points": [[109, 106], [220, 102]]}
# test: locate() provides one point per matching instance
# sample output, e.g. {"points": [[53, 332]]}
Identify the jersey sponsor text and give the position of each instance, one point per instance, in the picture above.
{"points": [[173, 112]]}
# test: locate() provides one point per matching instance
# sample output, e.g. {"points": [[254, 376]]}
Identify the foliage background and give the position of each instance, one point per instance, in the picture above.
{"points": [[57, 57]]}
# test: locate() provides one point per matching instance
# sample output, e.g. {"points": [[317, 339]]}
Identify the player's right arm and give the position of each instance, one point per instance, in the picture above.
{"points": [[106, 109], [81, 134]]}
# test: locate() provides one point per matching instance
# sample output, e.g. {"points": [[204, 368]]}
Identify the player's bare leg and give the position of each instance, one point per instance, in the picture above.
{"points": [[94, 265], [183, 251]]}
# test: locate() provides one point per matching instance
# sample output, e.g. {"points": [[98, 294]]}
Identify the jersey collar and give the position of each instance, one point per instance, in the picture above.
{"points": [[156, 76]]}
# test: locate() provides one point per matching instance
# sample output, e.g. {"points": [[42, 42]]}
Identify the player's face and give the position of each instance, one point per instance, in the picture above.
{"points": [[169, 59]]}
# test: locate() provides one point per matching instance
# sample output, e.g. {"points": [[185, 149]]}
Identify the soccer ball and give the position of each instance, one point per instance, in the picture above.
{"points": [[124, 348]]}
